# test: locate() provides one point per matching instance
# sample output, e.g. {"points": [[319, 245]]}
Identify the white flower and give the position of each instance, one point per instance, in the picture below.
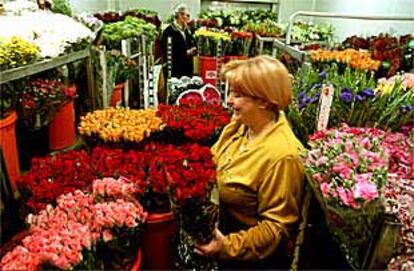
{"points": [[53, 33]]}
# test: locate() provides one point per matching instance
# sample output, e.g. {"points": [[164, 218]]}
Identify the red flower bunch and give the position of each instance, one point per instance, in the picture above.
{"points": [[41, 97], [55, 175], [197, 121], [190, 172], [116, 162], [401, 150]]}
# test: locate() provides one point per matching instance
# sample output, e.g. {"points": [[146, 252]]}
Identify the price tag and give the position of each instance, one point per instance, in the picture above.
{"points": [[325, 107]]}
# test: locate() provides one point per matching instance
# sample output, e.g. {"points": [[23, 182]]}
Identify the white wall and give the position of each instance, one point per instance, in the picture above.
{"points": [[345, 28], [372, 7], [89, 5]]}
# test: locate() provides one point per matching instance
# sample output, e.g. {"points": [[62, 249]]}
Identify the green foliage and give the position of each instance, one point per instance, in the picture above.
{"points": [[357, 101], [238, 18], [131, 27], [62, 6]]}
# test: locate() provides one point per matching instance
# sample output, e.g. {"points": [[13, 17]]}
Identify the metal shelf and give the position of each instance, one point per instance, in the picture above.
{"points": [[278, 44], [24, 71]]}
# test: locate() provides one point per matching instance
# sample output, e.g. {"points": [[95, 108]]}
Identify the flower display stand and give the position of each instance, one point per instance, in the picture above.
{"points": [[157, 237], [62, 127], [9, 146]]}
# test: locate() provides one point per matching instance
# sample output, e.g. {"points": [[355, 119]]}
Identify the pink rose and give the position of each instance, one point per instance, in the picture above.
{"points": [[365, 190], [107, 236], [325, 190], [318, 177], [346, 197], [366, 143], [321, 161], [343, 170]]}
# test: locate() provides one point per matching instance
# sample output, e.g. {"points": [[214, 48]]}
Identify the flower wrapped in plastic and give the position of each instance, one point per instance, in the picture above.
{"points": [[191, 180], [348, 170]]}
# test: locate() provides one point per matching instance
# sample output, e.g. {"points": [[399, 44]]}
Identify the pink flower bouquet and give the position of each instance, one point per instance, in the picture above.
{"points": [[348, 165], [67, 236], [348, 169]]}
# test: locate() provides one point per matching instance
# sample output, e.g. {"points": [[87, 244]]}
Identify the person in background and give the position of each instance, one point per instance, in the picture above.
{"points": [[44, 4], [259, 171], [183, 48]]}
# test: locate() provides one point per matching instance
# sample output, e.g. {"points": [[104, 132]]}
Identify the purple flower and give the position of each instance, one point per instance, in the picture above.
{"points": [[346, 95], [368, 92], [301, 95], [322, 75], [406, 108]]}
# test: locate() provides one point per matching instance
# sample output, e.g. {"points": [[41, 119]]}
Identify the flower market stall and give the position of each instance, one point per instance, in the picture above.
{"points": [[126, 179]]}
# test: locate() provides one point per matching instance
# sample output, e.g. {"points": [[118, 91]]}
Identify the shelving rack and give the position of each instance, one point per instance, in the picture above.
{"points": [[48, 64]]}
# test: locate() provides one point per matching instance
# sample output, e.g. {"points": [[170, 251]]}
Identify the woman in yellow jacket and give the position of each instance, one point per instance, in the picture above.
{"points": [[260, 174]]}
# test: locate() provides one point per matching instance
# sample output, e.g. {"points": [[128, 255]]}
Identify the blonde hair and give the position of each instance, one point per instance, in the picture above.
{"points": [[261, 77]]}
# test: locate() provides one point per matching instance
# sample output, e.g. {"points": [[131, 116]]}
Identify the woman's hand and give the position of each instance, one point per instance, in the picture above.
{"points": [[192, 51], [213, 247]]}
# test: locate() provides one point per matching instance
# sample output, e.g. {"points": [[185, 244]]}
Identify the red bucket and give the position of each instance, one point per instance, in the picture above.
{"points": [[117, 94], [9, 146], [157, 236], [208, 69], [62, 128], [138, 261]]}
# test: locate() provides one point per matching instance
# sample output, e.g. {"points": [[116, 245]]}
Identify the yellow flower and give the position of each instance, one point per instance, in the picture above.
{"points": [[120, 124], [16, 52]]}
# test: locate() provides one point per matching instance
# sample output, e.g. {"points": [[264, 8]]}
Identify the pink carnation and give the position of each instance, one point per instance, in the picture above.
{"points": [[347, 197], [325, 189], [365, 190]]}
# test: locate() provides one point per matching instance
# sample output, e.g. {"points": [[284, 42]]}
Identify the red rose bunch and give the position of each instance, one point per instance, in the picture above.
{"points": [[55, 175], [197, 122], [110, 162], [191, 173]]}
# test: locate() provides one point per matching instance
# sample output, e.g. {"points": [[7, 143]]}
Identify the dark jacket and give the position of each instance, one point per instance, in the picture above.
{"points": [[181, 63]]}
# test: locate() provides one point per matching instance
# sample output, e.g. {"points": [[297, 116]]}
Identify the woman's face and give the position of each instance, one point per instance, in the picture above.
{"points": [[245, 108], [183, 17]]}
